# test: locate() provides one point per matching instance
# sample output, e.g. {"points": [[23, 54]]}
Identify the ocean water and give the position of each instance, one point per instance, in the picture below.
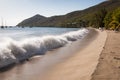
{"points": [[21, 33], [18, 44]]}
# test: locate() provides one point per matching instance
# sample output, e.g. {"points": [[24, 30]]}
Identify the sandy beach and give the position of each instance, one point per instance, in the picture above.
{"points": [[81, 65], [109, 61], [75, 61]]}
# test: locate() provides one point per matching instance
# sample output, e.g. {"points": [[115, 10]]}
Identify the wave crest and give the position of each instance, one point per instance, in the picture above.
{"points": [[12, 51]]}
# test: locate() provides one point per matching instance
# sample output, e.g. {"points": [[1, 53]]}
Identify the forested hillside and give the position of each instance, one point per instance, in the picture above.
{"points": [[105, 14]]}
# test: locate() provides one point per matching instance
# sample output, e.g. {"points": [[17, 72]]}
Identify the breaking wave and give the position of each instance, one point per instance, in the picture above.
{"points": [[12, 51]]}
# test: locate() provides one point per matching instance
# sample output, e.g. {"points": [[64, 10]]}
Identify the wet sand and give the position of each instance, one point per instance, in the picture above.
{"points": [[81, 65], [75, 61], [109, 61]]}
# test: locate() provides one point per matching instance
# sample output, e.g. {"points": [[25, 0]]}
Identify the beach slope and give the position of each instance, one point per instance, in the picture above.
{"points": [[81, 65]]}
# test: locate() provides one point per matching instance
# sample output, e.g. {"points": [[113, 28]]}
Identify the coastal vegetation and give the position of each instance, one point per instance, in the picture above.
{"points": [[112, 19], [105, 14], [108, 20]]}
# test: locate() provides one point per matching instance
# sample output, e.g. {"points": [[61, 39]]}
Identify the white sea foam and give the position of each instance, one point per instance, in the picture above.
{"points": [[12, 51]]}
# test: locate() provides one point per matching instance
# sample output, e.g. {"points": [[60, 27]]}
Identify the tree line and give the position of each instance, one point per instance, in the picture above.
{"points": [[102, 18], [108, 20]]}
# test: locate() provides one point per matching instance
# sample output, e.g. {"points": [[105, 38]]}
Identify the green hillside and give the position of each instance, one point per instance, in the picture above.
{"points": [[84, 18]]}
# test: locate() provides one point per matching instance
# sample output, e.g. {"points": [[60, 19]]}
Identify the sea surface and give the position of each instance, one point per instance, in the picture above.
{"points": [[20, 44], [21, 33]]}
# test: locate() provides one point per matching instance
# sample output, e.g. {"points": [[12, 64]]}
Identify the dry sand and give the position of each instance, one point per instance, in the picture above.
{"points": [[109, 61], [81, 65]]}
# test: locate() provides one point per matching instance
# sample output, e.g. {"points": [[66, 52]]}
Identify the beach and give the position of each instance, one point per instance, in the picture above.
{"points": [[60, 40], [108, 67], [75, 61], [81, 65]]}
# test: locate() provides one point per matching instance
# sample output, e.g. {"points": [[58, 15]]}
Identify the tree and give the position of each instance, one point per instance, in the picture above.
{"points": [[113, 25], [99, 17], [112, 20], [116, 15], [107, 20]]}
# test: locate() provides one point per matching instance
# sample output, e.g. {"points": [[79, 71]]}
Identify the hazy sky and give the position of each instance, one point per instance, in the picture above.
{"points": [[14, 11]]}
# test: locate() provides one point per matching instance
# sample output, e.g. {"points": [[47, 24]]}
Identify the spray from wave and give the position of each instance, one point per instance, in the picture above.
{"points": [[12, 51]]}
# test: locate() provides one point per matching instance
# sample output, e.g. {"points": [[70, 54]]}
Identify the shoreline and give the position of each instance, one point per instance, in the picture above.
{"points": [[15, 52], [71, 62], [81, 65]]}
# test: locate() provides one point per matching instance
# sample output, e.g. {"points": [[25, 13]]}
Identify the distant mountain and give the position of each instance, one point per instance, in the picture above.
{"points": [[32, 20], [58, 21]]}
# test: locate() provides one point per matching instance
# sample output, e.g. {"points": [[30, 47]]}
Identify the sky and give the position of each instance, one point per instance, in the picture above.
{"points": [[13, 12]]}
